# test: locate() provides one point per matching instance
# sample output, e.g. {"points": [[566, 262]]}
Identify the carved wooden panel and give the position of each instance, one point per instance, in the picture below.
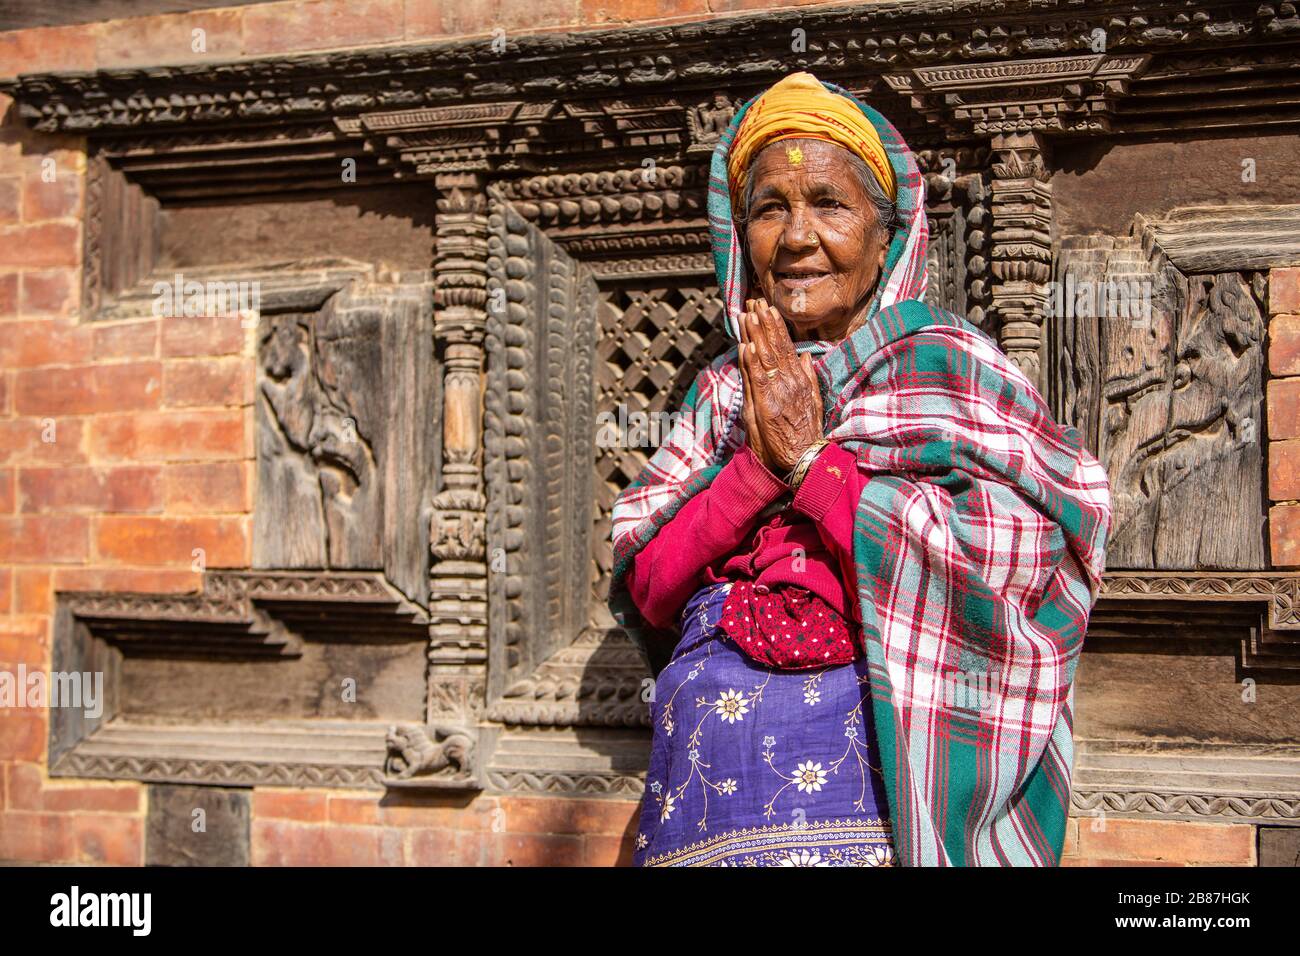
{"points": [[944, 266], [346, 435], [654, 338], [1163, 375], [538, 429]]}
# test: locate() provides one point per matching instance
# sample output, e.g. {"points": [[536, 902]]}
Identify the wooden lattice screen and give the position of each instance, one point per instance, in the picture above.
{"points": [[652, 342]]}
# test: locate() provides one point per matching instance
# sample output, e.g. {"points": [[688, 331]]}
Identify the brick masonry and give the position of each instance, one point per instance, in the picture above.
{"points": [[1283, 416], [125, 445]]}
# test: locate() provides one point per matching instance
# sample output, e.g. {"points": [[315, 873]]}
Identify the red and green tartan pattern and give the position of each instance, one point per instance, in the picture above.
{"points": [[978, 547]]}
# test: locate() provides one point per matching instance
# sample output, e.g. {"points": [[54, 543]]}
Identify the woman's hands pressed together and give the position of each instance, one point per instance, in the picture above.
{"points": [[782, 400]]}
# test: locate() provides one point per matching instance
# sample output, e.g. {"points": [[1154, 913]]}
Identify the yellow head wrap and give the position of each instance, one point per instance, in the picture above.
{"points": [[800, 107]]}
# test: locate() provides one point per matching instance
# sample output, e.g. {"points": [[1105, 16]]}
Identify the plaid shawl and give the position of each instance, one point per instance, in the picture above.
{"points": [[978, 546]]}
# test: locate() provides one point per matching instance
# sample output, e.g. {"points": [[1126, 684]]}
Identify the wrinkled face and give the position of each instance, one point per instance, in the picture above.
{"points": [[812, 236]]}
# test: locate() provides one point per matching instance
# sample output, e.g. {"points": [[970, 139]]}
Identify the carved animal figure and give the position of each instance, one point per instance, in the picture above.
{"points": [[411, 751]]}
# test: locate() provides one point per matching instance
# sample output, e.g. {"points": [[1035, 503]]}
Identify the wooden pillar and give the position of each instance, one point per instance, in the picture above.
{"points": [[1022, 246], [458, 579]]}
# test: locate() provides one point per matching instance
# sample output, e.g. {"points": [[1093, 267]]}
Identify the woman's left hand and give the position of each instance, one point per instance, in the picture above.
{"points": [[783, 403]]}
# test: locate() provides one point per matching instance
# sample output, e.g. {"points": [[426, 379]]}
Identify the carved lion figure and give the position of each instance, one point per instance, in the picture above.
{"points": [[412, 752]]}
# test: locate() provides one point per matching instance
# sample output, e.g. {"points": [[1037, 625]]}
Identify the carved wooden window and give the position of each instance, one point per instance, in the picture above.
{"points": [[291, 674], [654, 338]]}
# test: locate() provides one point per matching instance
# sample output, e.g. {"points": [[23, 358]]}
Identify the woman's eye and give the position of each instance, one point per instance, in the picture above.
{"points": [[829, 204]]}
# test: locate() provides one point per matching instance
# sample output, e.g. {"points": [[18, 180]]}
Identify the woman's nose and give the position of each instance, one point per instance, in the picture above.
{"points": [[800, 232]]}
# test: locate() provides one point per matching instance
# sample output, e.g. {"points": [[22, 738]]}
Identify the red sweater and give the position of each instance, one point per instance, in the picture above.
{"points": [[714, 537]]}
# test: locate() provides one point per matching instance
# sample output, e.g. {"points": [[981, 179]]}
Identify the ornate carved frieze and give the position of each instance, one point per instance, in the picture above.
{"points": [[552, 102], [285, 753], [588, 762], [618, 218], [599, 680], [619, 197], [1138, 798], [686, 264], [1211, 782]]}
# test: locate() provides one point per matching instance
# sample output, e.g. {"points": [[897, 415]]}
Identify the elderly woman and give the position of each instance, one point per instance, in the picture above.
{"points": [[867, 550]]}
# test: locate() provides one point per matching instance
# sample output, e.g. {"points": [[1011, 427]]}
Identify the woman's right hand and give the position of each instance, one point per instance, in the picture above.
{"points": [[782, 400]]}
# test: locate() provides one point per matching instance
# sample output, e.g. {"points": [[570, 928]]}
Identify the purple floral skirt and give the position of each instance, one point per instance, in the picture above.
{"points": [[751, 766]]}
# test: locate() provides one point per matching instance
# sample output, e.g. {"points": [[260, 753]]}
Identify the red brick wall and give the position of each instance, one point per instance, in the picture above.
{"points": [[1098, 841], [124, 446], [1284, 416], [152, 457], [307, 828], [303, 25]]}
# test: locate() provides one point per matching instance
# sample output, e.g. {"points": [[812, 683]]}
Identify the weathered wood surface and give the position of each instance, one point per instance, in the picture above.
{"points": [[387, 682], [1181, 434], [1214, 239], [539, 446], [346, 436], [1166, 385]]}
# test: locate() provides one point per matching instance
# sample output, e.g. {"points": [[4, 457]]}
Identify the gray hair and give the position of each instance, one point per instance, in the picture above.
{"points": [[886, 212]]}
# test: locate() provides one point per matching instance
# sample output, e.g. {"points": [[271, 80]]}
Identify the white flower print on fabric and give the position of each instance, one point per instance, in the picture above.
{"points": [[809, 776], [804, 858], [669, 805], [731, 706], [879, 856]]}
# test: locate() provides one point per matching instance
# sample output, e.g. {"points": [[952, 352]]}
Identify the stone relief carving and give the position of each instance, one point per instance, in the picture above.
{"points": [[429, 755], [707, 121]]}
